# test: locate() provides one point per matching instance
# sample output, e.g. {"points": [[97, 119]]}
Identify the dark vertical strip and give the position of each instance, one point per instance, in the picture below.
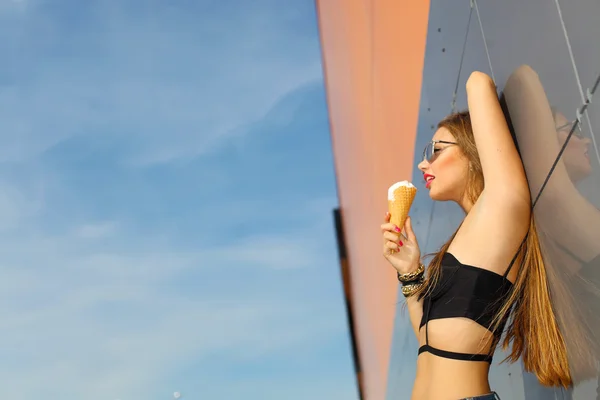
{"points": [[345, 272]]}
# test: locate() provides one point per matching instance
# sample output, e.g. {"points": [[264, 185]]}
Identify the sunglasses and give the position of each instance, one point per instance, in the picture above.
{"points": [[430, 152]]}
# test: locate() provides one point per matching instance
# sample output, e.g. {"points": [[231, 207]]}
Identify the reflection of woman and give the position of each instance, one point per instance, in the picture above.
{"points": [[490, 264], [576, 155], [568, 224], [533, 124]]}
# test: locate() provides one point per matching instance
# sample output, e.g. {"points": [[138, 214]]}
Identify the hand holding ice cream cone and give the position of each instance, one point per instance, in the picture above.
{"points": [[400, 245]]}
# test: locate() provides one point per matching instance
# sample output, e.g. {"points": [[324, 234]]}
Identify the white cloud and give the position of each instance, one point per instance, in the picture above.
{"points": [[11, 6], [97, 230], [276, 252], [15, 205]]}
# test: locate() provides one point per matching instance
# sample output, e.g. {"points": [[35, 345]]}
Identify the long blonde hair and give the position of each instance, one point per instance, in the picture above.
{"points": [[533, 329]]}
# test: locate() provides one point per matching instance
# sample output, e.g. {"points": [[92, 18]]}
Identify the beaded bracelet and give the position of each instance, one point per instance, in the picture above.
{"points": [[410, 288], [411, 276], [412, 281]]}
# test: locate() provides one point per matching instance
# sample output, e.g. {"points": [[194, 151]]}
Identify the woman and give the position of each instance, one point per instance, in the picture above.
{"points": [[490, 264]]}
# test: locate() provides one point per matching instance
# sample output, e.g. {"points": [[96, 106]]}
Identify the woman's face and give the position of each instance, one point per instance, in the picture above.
{"points": [[445, 168], [575, 156]]}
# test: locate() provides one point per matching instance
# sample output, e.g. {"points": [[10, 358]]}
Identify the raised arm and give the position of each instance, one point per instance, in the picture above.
{"points": [[503, 171]]}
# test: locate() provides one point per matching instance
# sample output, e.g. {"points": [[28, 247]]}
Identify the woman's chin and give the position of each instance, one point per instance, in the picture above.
{"points": [[578, 174], [437, 196], [433, 195]]}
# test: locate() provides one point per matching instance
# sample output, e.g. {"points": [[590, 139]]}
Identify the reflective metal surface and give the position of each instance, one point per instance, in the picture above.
{"points": [[558, 41]]}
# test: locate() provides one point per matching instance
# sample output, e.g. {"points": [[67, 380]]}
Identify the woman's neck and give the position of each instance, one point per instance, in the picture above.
{"points": [[465, 204]]}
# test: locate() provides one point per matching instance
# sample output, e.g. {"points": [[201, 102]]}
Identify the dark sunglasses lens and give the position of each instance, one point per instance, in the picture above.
{"points": [[428, 152]]}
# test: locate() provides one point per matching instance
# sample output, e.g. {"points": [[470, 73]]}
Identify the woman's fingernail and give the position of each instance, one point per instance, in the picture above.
{"points": [[397, 229], [400, 243]]}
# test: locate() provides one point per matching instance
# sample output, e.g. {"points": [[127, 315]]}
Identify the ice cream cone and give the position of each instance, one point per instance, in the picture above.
{"points": [[400, 198]]}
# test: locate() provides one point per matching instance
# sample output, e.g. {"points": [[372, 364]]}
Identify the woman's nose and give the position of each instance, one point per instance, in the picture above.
{"points": [[423, 165]]}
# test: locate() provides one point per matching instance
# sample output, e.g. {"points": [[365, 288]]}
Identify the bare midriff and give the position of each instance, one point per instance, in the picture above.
{"points": [[439, 378], [446, 379]]}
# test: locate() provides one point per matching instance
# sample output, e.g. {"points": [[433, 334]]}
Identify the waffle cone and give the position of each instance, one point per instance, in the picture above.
{"points": [[400, 206]]}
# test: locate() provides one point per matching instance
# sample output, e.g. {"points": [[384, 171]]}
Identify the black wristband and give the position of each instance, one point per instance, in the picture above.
{"points": [[418, 279]]}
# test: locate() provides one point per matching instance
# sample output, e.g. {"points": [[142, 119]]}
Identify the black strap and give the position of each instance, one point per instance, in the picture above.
{"points": [[429, 301], [515, 256], [455, 356]]}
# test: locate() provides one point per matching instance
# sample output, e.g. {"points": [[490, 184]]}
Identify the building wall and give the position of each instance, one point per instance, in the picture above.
{"points": [[373, 58], [384, 106]]}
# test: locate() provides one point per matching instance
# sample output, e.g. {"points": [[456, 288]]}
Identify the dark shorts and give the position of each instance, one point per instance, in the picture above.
{"points": [[491, 396]]}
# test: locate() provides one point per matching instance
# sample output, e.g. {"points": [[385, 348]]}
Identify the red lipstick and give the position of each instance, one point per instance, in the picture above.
{"points": [[428, 179]]}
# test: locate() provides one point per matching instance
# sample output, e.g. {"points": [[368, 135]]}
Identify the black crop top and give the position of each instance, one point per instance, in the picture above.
{"points": [[469, 292]]}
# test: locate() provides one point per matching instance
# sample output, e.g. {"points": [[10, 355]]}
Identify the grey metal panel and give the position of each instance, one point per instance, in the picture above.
{"points": [[517, 32]]}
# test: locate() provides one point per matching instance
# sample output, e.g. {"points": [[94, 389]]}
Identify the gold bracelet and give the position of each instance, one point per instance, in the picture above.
{"points": [[411, 276], [411, 289]]}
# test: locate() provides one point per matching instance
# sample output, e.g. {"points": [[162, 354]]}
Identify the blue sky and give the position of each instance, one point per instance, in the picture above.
{"points": [[165, 203]]}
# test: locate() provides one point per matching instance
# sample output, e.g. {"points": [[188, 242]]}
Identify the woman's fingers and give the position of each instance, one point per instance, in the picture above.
{"points": [[392, 233], [389, 245], [394, 237], [390, 228]]}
